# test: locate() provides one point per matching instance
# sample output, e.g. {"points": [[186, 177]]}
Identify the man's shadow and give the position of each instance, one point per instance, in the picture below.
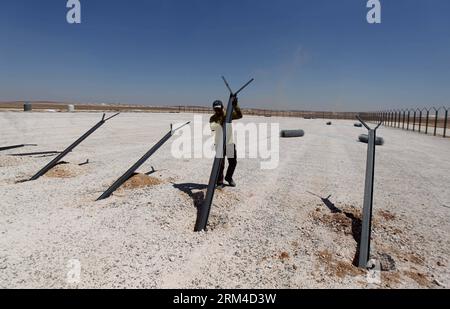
{"points": [[189, 189], [356, 224]]}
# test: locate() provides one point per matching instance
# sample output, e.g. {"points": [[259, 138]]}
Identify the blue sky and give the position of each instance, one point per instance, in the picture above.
{"points": [[307, 55]]}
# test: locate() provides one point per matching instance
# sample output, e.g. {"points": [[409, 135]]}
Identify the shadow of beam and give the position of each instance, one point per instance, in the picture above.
{"points": [[189, 188], [356, 223]]}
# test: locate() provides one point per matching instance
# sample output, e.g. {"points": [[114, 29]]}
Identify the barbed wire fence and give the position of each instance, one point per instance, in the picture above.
{"points": [[431, 120]]}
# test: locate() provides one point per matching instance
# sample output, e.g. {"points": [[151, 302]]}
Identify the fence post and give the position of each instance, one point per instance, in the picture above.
{"points": [[445, 122], [420, 121], [366, 226], [407, 123], [403, 126], [435, 121], [428, 117], [414, 122]]}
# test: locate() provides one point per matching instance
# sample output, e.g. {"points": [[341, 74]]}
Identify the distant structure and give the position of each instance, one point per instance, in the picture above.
{"points": [[27, 107], [70, 108]]}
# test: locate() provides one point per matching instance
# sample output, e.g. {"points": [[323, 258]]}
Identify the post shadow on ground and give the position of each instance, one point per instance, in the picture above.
{"points": [[356, 224], [188, 188]]}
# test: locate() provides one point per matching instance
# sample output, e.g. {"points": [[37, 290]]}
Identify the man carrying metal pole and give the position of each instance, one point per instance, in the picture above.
{"points": [[217, 122], [203, 215]]}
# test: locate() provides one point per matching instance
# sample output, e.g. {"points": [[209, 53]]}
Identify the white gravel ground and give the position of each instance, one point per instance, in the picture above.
{"points": [[272, 231]]}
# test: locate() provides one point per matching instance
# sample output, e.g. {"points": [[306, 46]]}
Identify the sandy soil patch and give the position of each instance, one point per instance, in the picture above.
{"points": [[65, 170], [141, 181]]}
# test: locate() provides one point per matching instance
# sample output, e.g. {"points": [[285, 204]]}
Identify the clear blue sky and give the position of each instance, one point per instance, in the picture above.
{"points": [[315, 54]]}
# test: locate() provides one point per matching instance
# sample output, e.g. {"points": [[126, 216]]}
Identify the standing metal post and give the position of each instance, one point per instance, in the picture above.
{"points": [[420, 121], [428, 117], [55, 161], [203, 214], [366, 229], [407, 124], [435, 122], [445, 122], [403, 126]]}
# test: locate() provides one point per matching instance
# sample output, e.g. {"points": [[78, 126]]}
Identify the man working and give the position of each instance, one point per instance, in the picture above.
{"points": [[217, 122]]}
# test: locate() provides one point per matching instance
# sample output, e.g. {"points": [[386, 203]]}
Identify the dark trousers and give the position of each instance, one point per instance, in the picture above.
{"points": [[232, 162]]}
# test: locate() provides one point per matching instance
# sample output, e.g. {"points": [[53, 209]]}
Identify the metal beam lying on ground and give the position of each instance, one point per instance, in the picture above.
{"points": [[136, 165], [203, 214], [366, 229], [55, 161], [15, 146], [34, 153]]}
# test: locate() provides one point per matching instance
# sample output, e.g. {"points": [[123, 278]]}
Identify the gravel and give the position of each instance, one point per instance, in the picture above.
{"points": [[143, 238]]}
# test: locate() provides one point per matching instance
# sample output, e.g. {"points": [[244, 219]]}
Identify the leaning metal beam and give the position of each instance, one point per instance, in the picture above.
{"points": [[366, 229], [55, 161], [136, 165], [202, 218]]}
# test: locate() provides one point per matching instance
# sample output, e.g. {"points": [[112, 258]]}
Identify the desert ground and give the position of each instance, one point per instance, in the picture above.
{"points": [[296, 226]]}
